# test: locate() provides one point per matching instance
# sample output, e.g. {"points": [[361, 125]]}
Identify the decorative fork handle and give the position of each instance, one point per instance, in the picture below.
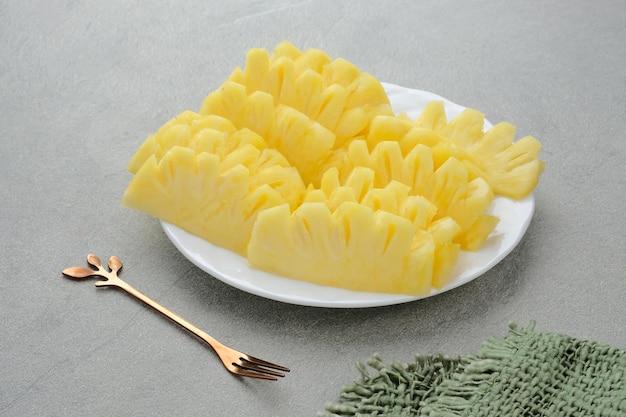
{"points": [[111, 279], [119, 283]]}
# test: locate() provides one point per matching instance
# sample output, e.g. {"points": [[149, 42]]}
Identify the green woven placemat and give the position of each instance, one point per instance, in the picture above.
{"points": [[525, 373]]}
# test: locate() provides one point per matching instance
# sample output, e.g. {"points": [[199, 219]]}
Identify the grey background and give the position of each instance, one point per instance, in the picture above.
{"points": [[83, 83]]}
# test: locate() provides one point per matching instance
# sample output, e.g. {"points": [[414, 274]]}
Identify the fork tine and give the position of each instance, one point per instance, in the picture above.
{"points": [[261, 362], [251, 366], [237, 370], [244, 368]]}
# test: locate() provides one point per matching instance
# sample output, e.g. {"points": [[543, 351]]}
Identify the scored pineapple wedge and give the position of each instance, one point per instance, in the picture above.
{"points": [[298, 163], [511, 168], [448, 186], [334, 93], [208, 182], [358, 237], [337, 249], [305, 143], [212, 133], [354, 248]]}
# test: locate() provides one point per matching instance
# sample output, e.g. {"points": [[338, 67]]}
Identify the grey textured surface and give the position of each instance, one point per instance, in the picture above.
{"points": [[83, 83]]}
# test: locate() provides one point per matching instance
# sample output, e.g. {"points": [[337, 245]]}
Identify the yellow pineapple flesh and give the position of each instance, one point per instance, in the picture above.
{"points": [[305, 143], [334, 93], [298, 163], [448, 186], [212, 133], [212, 183], [511, 168], [354, 248], [392, 232]]}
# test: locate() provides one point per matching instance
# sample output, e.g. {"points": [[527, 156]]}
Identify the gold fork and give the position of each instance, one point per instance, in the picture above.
{"points": [[236, 362]]}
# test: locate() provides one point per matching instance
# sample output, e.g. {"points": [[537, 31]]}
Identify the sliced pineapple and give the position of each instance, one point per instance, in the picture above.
{"points": [[213, 134], [511, 168], [287, 50], [305, 143], [298, 162], [214, 198], [354, 247], [206, 176], [311, 59], [340, 71], [334, 93], [448, 186], [229, 101], [358, 237]]}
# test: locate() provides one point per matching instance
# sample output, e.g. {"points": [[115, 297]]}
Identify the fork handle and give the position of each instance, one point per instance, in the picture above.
{"points": [[168, 313]]}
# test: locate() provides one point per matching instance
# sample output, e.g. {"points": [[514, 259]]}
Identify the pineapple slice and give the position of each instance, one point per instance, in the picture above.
{"points": [[335, 93], [354, 248], [511, 168], [387, 128], [307, 94], [433, 116], [212, 134], [446, 251], [305, 143], [257, 65], [463, 200], [340, 71], [448, 186], [311, 59], [217, 199], [332, 101], [195, 167], [287, 50], [229, 101], [358, 237], [368, 93]]}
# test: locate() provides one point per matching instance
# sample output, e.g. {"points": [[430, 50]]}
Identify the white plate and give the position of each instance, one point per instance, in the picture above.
{"points": [[234, 270]]}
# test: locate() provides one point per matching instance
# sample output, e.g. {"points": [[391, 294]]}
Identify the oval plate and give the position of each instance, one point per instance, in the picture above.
{"points": [[234, 270]]}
